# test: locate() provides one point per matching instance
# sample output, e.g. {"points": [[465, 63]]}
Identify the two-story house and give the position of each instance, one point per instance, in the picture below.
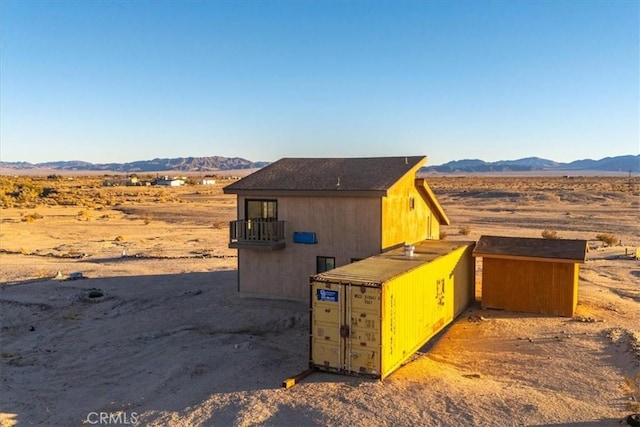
{"points": [[302, 216]]}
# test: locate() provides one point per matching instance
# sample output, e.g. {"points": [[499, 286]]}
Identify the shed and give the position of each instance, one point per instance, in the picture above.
{"points": [[530, 275], [369, 317]]}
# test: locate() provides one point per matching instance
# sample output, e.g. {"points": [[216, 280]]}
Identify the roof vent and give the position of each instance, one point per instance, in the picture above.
{"points": [[408, 250]]}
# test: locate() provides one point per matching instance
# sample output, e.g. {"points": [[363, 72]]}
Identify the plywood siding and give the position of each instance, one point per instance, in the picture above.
{"points": [[402, 224], [345, 227], [530, 286]]}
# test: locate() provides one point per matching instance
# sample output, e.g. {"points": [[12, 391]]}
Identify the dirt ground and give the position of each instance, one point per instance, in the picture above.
{"points": [[155, 333]]}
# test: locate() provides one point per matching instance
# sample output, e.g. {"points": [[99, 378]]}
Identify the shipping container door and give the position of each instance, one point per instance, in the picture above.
{"points": [[327, 319], [362, 344], [346, 328]]}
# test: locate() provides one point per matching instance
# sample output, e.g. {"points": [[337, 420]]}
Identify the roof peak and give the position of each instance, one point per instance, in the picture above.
{"points": [[321, 174]]}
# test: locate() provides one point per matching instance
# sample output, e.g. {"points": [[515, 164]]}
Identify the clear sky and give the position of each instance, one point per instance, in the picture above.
{"points": [[118, 81]]}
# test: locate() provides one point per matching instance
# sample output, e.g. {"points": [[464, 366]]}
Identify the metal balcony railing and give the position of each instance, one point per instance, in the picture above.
{"points": [[256, 233]]}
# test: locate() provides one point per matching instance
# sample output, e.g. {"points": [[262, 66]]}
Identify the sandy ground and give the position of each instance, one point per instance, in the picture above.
{"points": [[167, 341]]}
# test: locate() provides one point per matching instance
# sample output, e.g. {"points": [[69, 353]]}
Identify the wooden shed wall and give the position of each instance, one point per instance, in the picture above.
{"points": [[530, 286]]}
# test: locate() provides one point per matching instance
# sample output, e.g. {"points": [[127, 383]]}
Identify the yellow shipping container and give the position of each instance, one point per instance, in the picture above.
{"points": [[369, 317]]}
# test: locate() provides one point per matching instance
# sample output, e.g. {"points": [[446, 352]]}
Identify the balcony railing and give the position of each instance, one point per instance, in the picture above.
{"points": [[257, 234]]}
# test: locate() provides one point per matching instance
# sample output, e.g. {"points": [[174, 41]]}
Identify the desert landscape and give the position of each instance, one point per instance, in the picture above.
{"points": [[152, 331]]}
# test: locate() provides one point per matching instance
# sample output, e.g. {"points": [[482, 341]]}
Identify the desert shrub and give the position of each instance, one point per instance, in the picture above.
{"points": [[31, 217], [631, 389], [48, 191], [119, 239], [23, 193], [443, 235], [607, 238], [84, 215], [549, 234], [464, 230], [6, 201]]}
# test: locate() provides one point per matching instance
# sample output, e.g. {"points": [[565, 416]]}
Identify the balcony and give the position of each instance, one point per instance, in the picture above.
{"points": [[256, 234]]}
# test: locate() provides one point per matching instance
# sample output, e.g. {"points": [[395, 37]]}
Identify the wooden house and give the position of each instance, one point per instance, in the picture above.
{"points": [[302, 216], [530, 275]]}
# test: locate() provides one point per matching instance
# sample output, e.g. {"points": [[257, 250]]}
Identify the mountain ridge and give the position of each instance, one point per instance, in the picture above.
{"points": [[179, 164], [623, 163]]}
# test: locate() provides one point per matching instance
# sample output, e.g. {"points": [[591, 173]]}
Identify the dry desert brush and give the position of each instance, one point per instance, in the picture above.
{"points": [[549, 234], [464, 230], [31, 217], [631, 389], [607, 238]]}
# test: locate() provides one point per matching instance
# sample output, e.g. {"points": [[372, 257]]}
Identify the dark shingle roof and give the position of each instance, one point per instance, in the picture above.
{"points": [[523, 247], [324, 174]]}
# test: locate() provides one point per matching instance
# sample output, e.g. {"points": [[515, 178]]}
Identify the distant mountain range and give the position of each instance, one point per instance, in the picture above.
{"points": [[219, 163], [182, 164], [609, 164]]}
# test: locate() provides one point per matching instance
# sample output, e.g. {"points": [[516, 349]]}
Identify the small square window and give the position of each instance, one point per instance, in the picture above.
{"points": [[325, 263]]}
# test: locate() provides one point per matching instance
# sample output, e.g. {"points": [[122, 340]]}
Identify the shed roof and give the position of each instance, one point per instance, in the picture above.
{"points": [[378, 269], [523, 247], [364, 174]]}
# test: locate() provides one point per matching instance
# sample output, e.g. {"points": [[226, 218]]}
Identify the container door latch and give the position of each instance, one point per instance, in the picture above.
{"points": [[344, 331]]}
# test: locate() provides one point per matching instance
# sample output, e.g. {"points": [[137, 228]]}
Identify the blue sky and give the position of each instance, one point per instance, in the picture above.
{"points": [[118, 81]]}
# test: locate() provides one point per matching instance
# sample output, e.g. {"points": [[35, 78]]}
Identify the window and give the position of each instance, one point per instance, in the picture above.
{"points": [[261, 209], [412, 203], [325, 263]]}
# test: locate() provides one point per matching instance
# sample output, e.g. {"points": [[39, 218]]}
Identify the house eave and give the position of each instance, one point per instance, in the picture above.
{"points": [[431, 198], [307, 193]]}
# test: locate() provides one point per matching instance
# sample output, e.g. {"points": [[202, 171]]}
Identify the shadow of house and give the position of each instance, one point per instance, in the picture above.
{"points": [[146, 345]]}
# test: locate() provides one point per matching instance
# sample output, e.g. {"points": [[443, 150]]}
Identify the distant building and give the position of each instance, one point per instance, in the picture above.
{"points": [[121, 181], [207, 181], [170, 182]]}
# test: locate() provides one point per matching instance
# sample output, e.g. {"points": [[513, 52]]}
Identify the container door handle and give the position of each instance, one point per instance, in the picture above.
{"points": [[344, 331]]}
